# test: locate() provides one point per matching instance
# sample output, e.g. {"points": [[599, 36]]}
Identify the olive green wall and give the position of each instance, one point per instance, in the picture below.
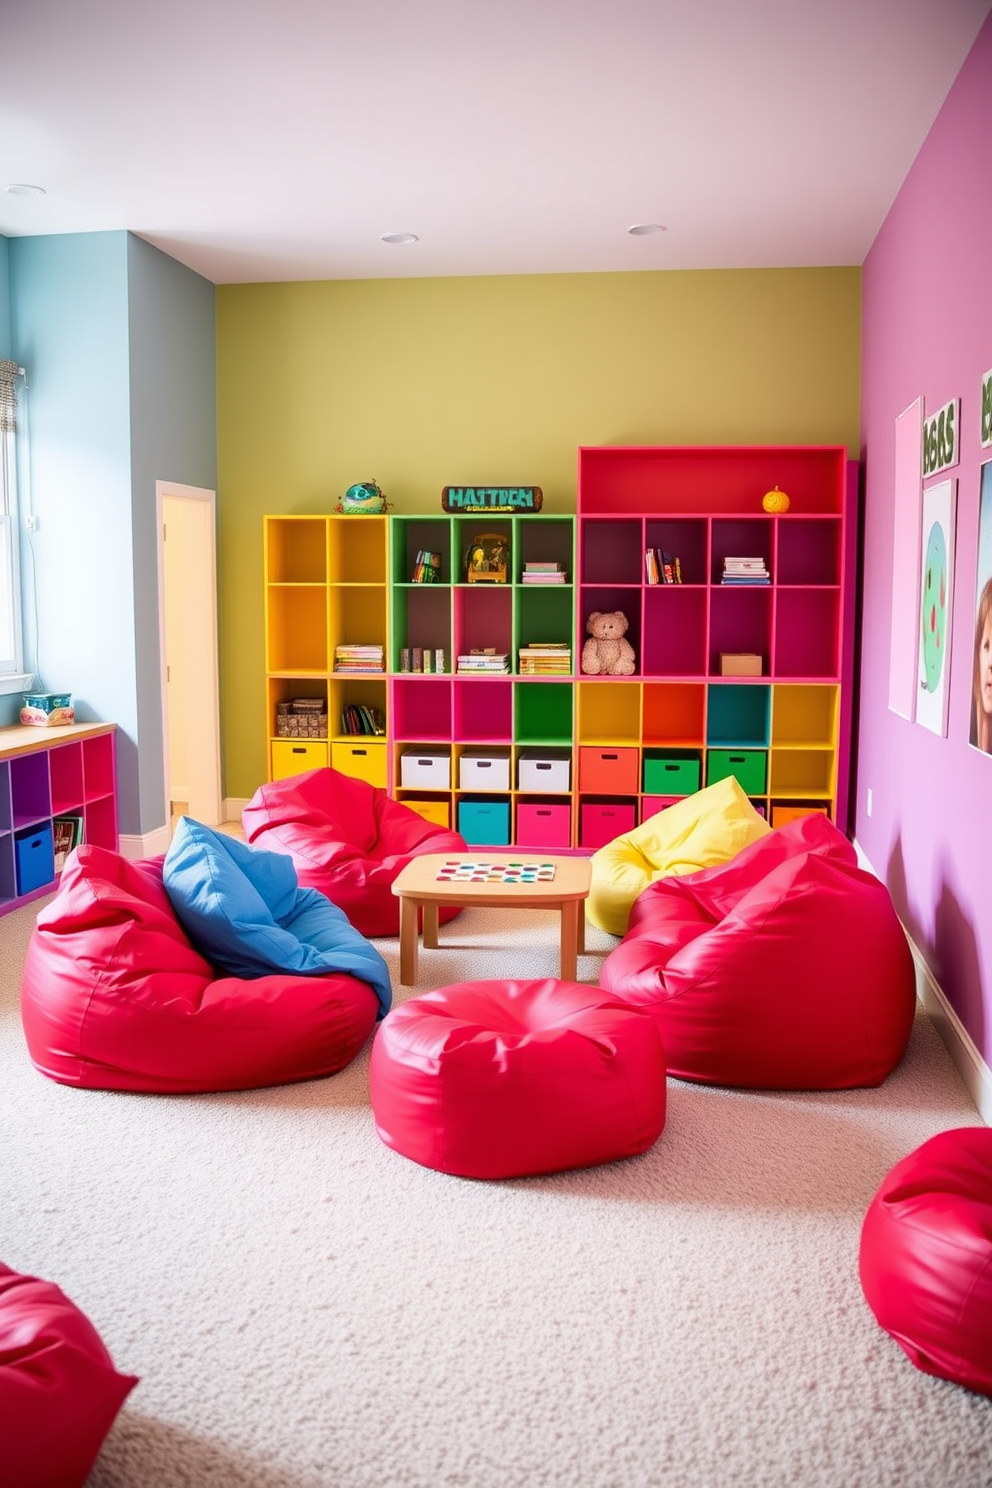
{"points": [[421, 383]]}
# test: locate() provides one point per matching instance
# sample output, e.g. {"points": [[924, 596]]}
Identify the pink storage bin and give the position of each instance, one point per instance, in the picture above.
{"points": [[543, 824], [600, 822]]}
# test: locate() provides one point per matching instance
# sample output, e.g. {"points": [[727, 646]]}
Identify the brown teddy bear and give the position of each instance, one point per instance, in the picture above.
{"points": [[606, 653]]}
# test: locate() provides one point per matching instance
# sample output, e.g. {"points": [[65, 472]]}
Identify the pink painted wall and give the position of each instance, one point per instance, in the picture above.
{"points": [[927, 329]]}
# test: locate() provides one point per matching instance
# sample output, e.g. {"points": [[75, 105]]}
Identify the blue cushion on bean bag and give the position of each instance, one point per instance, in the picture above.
{"points": [[244, 910]]}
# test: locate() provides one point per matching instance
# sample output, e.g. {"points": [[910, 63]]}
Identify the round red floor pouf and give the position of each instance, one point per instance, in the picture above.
{"points": [[926, 1256], [59, 1390], [502, 1079]]}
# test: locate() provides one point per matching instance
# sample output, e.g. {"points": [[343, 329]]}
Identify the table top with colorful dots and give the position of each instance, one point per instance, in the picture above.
{"points": [[468, 870]]}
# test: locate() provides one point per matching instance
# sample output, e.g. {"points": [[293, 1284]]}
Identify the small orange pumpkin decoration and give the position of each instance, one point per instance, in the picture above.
{"points": [[775, 501]]}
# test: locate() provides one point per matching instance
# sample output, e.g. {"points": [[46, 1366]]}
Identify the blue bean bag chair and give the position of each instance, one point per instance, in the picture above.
{"points": [[244, 910]]}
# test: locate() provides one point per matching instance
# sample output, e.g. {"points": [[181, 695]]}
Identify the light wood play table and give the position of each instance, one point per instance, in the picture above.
{"points": [[417, 887]]}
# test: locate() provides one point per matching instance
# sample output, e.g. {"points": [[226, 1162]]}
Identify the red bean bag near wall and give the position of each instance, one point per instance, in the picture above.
{"points": [[783, 969], [114, 996], [59, 1390], [926, 1256], [348, 839], [501, 1079]]}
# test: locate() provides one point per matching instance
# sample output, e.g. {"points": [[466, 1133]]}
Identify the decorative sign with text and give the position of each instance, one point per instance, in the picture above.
{"points": [[940, 439], [986, 409], [476, 499]]}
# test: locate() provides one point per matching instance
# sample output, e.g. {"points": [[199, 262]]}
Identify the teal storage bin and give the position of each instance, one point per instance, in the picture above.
{"points": [[485, 823], [34, 858], [749, 765], [668, 775]]}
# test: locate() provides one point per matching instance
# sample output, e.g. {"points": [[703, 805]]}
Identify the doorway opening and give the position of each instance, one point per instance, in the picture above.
{"points": [[187, 567]]}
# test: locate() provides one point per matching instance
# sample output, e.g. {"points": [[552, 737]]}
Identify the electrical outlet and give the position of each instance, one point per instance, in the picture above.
{"points": [[868, 802], [32, 522]]}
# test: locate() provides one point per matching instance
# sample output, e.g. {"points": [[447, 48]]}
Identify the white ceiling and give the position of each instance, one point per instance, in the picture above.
{"points": [[278, 139]]}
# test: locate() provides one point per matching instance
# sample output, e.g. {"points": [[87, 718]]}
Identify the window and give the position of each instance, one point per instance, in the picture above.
{"points": [[12, 677]]}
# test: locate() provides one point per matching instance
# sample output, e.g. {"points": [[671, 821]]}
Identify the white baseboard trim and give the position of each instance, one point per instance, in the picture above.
{"points": [[967, 1060], [965, 1055], [232, 807], [148, 845]]}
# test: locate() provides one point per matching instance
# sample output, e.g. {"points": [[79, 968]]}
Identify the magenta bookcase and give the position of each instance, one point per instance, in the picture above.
{"points": [[44, 774]]}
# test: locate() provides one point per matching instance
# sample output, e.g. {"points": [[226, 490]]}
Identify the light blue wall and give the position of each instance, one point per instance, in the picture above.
{"points": [[117, 340], [173, 437], [70, 332], [4, 299]]}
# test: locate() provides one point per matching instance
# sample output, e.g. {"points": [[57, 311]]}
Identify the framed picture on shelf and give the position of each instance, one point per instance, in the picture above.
{"points": [[67, 833], [487, 558]]}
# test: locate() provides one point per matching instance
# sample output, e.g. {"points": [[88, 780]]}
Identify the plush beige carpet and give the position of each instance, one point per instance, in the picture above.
{"points": [[306, 1309]]}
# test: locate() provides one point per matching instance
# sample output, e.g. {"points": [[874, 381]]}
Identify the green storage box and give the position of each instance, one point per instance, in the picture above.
{"points": [[749, 765], [670, 776]]}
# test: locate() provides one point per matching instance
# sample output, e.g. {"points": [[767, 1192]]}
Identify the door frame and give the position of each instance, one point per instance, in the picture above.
{"points": [[208, 721]]}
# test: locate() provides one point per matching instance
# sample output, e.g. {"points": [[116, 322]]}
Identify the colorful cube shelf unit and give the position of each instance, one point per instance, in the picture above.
{"points": [[744, 679], [46, 774]]}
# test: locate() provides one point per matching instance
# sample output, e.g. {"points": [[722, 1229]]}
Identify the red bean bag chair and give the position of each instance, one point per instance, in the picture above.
{"points": [[926, 1256], [59, 1390], [115, 997], [348, 839], [785, 968], [501, 1079]]}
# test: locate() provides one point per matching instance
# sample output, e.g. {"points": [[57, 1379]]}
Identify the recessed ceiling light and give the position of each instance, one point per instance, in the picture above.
{"points": [[400, 237], [18, 188], [646, 229]]}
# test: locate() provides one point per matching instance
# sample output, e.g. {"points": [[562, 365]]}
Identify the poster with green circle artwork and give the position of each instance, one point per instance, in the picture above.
{"points": [[935, 605]]}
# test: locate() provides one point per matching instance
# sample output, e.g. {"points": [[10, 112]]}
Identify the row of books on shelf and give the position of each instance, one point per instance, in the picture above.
{"points": [[67, 833], [661, 567], [357, 660], [422, 659], [426, 567], [358, 719], [748, 570]]}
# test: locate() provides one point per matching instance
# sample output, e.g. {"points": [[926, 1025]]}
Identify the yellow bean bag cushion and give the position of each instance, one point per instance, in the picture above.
{"points": [[701, 831]]}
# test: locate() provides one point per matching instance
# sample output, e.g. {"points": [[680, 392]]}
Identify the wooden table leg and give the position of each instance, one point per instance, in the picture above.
{"points": [[408, 941], [569, 940], [430, 926], [580, 934]]}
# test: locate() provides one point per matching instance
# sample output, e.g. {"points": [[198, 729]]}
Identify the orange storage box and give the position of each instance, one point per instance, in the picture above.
{"points": [[609, 771]]}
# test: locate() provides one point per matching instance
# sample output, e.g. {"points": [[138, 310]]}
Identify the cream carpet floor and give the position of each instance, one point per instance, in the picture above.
{"points": [[307, 1309]]}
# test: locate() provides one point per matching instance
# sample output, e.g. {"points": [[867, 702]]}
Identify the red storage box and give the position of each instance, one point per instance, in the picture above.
{"points": [[543, 825], [613, 771], [600, 822]]}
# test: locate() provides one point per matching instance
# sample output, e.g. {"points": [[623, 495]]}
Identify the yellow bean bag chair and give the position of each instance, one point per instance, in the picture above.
{"points": [[701, 831]]}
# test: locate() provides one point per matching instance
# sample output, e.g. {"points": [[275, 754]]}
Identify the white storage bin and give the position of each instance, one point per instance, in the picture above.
{"points": [[544, 770], [426, 767], [485, 769]]}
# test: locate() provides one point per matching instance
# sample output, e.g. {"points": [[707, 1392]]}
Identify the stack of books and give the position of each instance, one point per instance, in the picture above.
{"points": [[661, 567], [543, 573], [745, 571], [358, 659], [426, 567], [546, 659], [483, 662]]}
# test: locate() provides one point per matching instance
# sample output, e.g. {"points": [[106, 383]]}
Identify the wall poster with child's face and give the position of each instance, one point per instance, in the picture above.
{"points": [[936, 589], [980, 722]]}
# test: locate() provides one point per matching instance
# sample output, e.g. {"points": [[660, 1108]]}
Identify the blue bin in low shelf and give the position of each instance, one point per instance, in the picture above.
{"points": [[34, 858]]}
